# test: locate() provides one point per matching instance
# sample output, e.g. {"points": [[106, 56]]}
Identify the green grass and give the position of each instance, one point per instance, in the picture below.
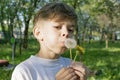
{"points": [[105, 62]]}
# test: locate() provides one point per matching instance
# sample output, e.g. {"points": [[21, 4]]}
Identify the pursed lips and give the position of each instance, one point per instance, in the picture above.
{"points": [[63, 43]]}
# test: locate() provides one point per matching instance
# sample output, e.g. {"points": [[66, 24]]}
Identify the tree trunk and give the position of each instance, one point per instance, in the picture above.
{"points": [[83, 35], [13, 50], [90, 36], [25, 40], [20, 42], [113, 37], [102, 36], [106, 40], [77, 36]]}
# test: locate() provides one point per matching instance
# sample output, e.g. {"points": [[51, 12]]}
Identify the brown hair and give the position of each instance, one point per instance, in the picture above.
{"points": [[55, 10]]}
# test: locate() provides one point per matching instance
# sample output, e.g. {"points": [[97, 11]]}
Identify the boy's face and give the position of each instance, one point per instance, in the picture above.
{"points": [[54, 33]]}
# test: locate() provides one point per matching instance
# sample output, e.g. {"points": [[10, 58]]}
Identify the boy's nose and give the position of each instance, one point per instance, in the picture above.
{"points": [[65, 33]]}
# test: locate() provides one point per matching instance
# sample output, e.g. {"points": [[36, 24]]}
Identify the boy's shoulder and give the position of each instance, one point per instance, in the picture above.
{"points": [[25, 64], [24, 69]]}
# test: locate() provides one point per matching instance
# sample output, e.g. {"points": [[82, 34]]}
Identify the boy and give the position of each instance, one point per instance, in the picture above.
{"points": [[53, 24]]}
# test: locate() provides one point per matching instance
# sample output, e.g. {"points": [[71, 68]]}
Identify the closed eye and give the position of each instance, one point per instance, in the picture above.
{"points": [[58, 27], [71, 30]]}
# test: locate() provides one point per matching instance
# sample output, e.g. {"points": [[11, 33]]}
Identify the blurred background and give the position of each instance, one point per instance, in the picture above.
{"points": [[98, 32]]}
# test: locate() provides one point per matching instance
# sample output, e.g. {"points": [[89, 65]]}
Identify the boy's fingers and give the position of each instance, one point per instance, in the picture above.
{"points": [[82, 76], [75, 77], [71, 76], [80, 69], [66, 74]]}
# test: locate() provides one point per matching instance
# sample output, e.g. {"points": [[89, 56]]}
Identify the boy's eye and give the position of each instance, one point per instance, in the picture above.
{"points": [[71, 30], [58, 27]]}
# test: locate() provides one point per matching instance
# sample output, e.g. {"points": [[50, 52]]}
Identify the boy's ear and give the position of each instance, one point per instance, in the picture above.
{"points": [[37, 33]]}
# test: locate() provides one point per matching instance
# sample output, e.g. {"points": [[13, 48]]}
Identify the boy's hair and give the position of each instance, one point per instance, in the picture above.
{"points": [[60, 11]]}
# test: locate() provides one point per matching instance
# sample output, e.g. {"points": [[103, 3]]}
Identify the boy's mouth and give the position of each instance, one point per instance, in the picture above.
{"points": [[62, 43]]}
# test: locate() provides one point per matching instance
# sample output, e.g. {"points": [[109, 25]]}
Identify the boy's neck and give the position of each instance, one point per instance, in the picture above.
{"points": [[47, 55]]}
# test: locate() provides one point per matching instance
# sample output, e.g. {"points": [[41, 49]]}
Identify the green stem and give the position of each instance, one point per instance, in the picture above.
{"points": [[75, 57], [70, 53]]}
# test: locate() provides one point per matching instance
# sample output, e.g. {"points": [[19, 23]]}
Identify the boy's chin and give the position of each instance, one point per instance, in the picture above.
{"points": [[61, 51]]}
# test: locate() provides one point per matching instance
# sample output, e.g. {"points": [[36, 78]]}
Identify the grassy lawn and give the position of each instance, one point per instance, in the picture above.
{"points": [[105, 62]]}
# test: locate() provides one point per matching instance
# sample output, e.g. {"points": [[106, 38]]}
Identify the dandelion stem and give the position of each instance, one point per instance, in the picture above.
{"points": [[75, 57], [70, 53]]}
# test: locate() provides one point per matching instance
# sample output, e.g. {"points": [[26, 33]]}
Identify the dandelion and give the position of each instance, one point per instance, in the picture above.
{"points": [[79, 50], [70, 43]]}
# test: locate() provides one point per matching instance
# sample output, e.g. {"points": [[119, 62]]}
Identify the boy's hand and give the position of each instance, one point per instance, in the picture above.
{"points": [[81, 70], [66, 74]]}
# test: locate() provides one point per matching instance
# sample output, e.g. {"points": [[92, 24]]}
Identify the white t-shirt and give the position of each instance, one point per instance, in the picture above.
{"points": [[35, 68]]}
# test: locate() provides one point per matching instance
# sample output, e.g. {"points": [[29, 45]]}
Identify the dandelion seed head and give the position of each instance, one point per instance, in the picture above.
{"points": [[70, 43]]}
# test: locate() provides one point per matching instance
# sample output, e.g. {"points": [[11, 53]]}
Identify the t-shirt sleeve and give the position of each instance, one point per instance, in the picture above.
{"points": [[20, 73]]}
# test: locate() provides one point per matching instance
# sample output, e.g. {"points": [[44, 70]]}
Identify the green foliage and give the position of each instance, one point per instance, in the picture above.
{"points": [[105, 62], [12, 40], [5, 74]]}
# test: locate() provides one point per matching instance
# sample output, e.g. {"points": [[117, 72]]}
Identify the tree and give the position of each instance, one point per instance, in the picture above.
{"points": [[27, 10], [3, 18]]}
